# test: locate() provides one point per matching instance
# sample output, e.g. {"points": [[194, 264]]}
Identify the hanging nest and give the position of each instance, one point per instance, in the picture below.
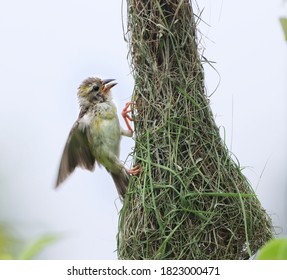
{"points": [[191, 200]]}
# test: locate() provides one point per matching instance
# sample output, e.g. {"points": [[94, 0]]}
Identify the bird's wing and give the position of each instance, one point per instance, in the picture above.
{"points": [[76, 153]]}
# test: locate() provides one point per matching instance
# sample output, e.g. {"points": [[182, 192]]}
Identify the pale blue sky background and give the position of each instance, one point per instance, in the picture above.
{"points": [[48, 47]]}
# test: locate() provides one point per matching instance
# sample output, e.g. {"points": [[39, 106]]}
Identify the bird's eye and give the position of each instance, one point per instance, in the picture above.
{"points": [[96, 88]]}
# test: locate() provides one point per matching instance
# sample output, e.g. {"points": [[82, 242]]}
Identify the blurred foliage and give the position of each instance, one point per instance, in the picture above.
{"points": [[275, 249], [283, 22], [7, 243], [12, 248], [37, 246]]}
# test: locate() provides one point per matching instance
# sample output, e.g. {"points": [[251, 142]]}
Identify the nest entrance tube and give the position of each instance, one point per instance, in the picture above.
{"points": [[191, 200]]}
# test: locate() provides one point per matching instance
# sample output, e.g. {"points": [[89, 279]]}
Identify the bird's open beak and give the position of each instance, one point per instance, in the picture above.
{"points": [[108, 85]]}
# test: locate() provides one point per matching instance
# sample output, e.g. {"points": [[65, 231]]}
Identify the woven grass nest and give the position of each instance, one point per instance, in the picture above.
{"points": [[191, 200]]}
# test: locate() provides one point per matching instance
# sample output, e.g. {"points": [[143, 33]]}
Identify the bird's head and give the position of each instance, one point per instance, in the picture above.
{"points": [[94, 90]]}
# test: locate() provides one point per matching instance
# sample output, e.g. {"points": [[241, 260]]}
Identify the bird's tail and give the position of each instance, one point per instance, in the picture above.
{"points": [[121, 181]]}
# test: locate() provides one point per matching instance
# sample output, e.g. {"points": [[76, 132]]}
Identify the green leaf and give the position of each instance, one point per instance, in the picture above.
{"points": [[275, 249], [283, 22], [37, 246]]}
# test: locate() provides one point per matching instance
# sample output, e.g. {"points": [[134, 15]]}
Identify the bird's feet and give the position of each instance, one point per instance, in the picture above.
{"points": [[127, 117], [135, 170]]}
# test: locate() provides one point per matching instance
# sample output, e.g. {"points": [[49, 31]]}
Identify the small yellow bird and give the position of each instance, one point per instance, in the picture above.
{"points": [[96, 135]]}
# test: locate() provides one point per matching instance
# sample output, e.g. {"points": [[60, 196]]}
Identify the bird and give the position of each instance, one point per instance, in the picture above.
{"points": [[95, 136]]}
